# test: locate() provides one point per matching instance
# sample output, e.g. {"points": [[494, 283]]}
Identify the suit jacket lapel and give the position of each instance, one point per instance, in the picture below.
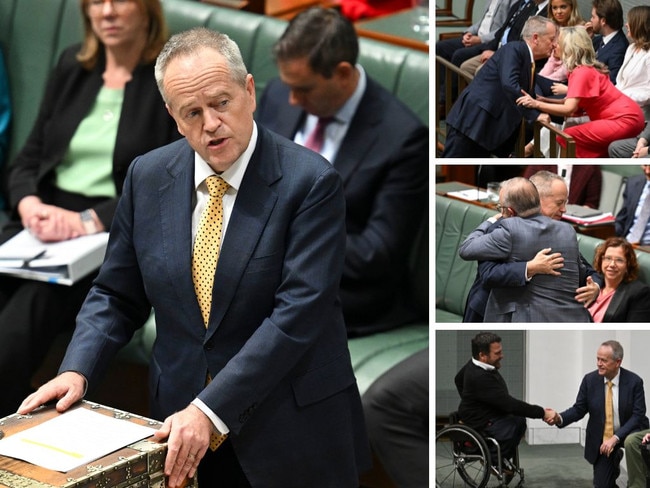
{"points": [[617, 302], [362, 128], [253, 207], [176, 202]]}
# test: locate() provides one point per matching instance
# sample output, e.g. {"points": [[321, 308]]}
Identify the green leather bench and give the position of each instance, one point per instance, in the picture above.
{"points": [[34, 32], [455, 219]]}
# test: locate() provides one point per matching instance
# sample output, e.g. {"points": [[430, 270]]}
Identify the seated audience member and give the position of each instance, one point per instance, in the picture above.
{"points": [[633, 78], [612, 115], [519, 236], [396, 408], [553, 193], [622, 298], [485, 119], [481, 32], [485, 403], [614, 400], [632, 220], [634, 147], [101, 109], [609, 41], [637, 470], [471, 60], [376, 143], [5, 117], [583, 180]]}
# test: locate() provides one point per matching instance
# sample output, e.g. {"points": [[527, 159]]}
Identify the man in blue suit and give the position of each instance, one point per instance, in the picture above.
{"points": [[627, 412], [268, 369], [610, 42], [485, 120], [379, 147], [634, 199]]}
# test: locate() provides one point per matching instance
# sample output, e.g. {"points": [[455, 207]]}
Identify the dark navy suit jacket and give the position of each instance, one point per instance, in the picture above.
{"points": [[613, 53], [486, 111], [384, 163], [591, 400], [275, 345], [631, 196]]}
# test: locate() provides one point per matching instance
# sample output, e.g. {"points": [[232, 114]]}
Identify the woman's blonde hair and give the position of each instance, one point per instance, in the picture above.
{"points": [[574, 18], [578, 50], [156, 35]]}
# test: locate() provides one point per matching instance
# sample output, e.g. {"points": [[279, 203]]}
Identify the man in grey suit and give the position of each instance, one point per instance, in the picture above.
{"points": [[264, 361], [522, 231]]}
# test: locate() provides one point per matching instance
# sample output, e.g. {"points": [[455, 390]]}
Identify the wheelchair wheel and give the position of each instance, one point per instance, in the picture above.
{"points": [[462, 458]]}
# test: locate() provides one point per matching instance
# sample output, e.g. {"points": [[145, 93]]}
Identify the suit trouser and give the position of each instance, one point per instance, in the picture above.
{"points": [[607, 469], [508, 432], [458, 145], [396, 408], [636, 467], [622, 148]]}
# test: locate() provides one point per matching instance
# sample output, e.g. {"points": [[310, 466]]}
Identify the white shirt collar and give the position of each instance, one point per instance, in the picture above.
{"points": [[233, 175], [485, 366]]}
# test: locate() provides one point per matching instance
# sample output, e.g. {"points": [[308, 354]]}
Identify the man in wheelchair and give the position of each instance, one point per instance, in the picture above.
{"points": [[486, 405]]}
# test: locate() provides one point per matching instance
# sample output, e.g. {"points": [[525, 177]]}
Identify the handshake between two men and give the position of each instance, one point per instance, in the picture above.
{"points": [[612, 396]]}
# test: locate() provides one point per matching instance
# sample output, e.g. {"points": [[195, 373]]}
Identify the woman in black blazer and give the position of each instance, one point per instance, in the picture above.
{"points": [[101, 109], [622, 298]]}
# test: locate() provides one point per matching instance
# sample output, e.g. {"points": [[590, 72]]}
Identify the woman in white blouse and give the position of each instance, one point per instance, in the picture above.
{"points": [[633, 78]]}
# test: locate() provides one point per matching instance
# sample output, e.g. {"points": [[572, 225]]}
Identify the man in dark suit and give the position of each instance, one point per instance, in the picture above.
{"points": [[485, 403], [609, 42], [494, 274], [510, 31], [584, 181], [259, 361], [608, 426], [378, 146], [635, 198], [486, 120], [546, 298]]}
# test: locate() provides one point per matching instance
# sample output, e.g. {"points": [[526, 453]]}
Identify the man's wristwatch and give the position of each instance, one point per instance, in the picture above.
{"points": [[88, 221]]}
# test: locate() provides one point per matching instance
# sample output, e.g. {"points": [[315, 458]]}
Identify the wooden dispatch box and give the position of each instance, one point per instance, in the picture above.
{"points": [[138, 465]]}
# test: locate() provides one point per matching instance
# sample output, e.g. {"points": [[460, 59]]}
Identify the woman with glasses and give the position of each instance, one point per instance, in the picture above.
{"points": [[622, 298], [101, 109]]}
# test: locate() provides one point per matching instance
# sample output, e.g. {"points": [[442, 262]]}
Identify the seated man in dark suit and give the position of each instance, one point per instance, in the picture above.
{"points": [[491, 274], [632, 220], [471, 57], [379, 147], [485, 404], [609, 42], [614, 399], [485, 120]]}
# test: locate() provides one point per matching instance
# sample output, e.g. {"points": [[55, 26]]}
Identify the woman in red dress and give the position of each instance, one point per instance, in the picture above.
{"points": [[612, 114]]}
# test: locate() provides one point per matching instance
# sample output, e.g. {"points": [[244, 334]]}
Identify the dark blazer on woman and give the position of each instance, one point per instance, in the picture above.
{"points": [[70, 94], [630, 303]]}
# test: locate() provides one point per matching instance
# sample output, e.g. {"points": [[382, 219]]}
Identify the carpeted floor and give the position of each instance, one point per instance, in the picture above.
{"points": [[556, 466]]}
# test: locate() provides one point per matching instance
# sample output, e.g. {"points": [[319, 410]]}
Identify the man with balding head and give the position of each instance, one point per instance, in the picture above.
{"points": [[518, 237]]}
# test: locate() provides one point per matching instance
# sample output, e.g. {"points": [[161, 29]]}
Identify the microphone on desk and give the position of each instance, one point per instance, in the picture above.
{"points": [[478, 182]]}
